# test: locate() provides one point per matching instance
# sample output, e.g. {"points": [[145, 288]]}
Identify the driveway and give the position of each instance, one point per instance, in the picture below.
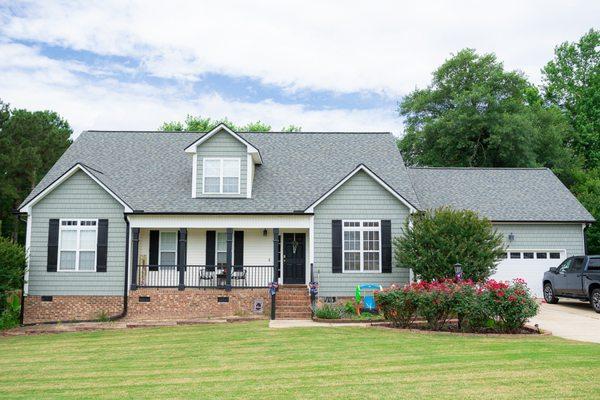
{"points": [[570, 319]]}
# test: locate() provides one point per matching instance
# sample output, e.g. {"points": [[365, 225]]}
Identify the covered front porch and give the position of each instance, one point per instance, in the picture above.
{"points": [[220, 252]]}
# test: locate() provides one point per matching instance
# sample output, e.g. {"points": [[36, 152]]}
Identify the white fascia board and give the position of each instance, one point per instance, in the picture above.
{"points": [[216, 221], [193, 148], [77, 167], [194, 174], [377, 179]]}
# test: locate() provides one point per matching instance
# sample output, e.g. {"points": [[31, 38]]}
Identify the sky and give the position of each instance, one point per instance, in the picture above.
{"points": [[323, 65]]}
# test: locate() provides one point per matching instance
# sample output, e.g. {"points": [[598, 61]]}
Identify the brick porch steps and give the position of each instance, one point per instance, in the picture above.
{"points": [[293, 302]]}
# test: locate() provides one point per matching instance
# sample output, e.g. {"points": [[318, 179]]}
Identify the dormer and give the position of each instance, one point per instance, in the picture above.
{"points": [[223, 164]]}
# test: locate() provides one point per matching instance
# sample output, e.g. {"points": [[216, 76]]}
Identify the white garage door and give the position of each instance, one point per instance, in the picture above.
{"points": [[529, 265]]}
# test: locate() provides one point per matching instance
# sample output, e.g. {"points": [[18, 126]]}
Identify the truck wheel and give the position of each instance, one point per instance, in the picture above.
{"points": [[549, 294], [595, 300]]}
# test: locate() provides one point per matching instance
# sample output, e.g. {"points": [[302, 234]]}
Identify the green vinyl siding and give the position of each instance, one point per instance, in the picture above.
{"points": [[548, 236], [360, 198], [77, 197], [222, 145]]}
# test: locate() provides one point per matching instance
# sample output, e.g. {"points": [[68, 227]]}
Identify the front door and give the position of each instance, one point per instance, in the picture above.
{"points": [[294, 258]]}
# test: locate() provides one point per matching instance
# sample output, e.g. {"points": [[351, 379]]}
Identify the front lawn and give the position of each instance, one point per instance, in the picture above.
{"points": [[249, 360]]}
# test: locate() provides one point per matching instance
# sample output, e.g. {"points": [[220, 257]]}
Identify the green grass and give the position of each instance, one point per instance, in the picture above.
{"points": [[251, 361]]}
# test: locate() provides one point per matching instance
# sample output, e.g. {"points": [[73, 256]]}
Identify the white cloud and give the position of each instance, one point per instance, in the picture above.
{"points": [[33, 81], [387, 47]]}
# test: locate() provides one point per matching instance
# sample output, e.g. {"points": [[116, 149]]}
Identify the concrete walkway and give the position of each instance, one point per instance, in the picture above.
{"points": [[569, 319], [307, 323]]}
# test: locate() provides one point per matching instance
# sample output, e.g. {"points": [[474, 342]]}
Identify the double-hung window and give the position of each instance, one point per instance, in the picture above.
{"points": [[362, 246], [168, 248], [221, 250], [222, 175], [77, 245]]}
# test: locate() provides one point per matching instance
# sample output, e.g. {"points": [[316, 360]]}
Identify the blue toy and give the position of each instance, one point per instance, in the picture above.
{"points": [[368, 298]]}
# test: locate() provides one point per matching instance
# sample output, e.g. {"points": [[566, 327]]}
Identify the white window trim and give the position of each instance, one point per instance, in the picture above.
{"points": [[160, 247], [77, 250], [563, 253], [221, 159], [361, 229]]}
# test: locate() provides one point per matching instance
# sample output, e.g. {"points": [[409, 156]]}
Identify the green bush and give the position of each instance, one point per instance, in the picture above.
{"points": [[437, 239], [12, 271], [328, 311], [398, 306]]}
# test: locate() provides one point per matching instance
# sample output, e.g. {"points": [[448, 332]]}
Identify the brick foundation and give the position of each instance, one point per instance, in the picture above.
{"points": [[170, 303], [70, 308]]}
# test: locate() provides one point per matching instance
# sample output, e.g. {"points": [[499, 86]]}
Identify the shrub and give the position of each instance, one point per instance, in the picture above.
{"points": [[12, 271], [437, 239], [511, 304], [399, 306], [328, 311], [491, 306]]}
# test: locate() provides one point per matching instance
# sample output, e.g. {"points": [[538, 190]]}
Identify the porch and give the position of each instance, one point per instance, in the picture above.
{"points": [[217, 258]]}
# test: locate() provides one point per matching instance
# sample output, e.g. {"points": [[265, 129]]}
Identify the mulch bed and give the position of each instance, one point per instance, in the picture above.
{"points": [[452, 329]]}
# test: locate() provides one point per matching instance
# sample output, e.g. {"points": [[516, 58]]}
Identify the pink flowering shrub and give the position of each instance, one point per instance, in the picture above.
{"points": [[490, 306]]}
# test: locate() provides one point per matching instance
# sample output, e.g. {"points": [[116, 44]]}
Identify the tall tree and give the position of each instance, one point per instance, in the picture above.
{"points": [[30, 143], [572, 83], [201, 124], [476, 114]]}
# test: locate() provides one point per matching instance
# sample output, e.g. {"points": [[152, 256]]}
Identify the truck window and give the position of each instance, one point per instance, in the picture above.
{"points": [[576, 265], [594, 264], [562, 268]]}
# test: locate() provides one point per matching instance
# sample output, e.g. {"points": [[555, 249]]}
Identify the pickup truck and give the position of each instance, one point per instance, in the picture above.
{"points": [[576, 278]]}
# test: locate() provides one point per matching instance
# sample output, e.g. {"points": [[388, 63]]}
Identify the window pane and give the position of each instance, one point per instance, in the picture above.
{"points": [[68, 240], [87, 240], [212, 168], [231, 185], [371, 261], [503, 255], [221, 257], [528, 255], [168, 241], [542, 255], [221, 241], [351, 240], [167, 258], [351, 223], [67, 260], [515, 255], [352, 261], [370, 240], [554, 255], [212, 185], [86, 260], [231, 168]]}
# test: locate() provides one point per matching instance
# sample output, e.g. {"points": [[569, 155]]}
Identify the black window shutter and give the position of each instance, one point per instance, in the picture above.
{"points": [[154, 242], [210, 247], [102, 245], [336, 246], [52, 245], [386, 246], [238, 251]]}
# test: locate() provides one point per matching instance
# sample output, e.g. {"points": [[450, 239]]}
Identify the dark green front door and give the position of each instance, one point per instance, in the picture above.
{"points": [[294, 258]]}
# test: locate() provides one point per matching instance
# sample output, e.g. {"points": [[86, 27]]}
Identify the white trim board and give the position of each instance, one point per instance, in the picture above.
{"points": [[364, 168], [77, 167], [193, 148]]}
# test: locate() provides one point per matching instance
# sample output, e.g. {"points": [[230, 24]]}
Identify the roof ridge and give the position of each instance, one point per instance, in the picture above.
{"points": [[262, 132], [482, 168]]}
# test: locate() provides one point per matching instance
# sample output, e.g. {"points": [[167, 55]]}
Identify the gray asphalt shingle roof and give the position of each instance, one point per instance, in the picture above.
{"points": [[500, 194], [151, 172]]}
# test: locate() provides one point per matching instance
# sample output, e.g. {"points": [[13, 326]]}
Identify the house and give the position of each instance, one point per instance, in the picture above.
{"points": [[184, 224]]}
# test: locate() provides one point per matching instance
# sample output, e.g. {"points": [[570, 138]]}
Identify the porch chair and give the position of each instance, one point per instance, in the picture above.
{"points": [[238, 273], [207, 273]]}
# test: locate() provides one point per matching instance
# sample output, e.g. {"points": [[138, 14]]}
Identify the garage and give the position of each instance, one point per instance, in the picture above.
{"points": [[529, 265]]}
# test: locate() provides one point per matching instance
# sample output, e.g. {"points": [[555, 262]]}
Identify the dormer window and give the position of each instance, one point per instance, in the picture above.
{"points": [[221, 175]]}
